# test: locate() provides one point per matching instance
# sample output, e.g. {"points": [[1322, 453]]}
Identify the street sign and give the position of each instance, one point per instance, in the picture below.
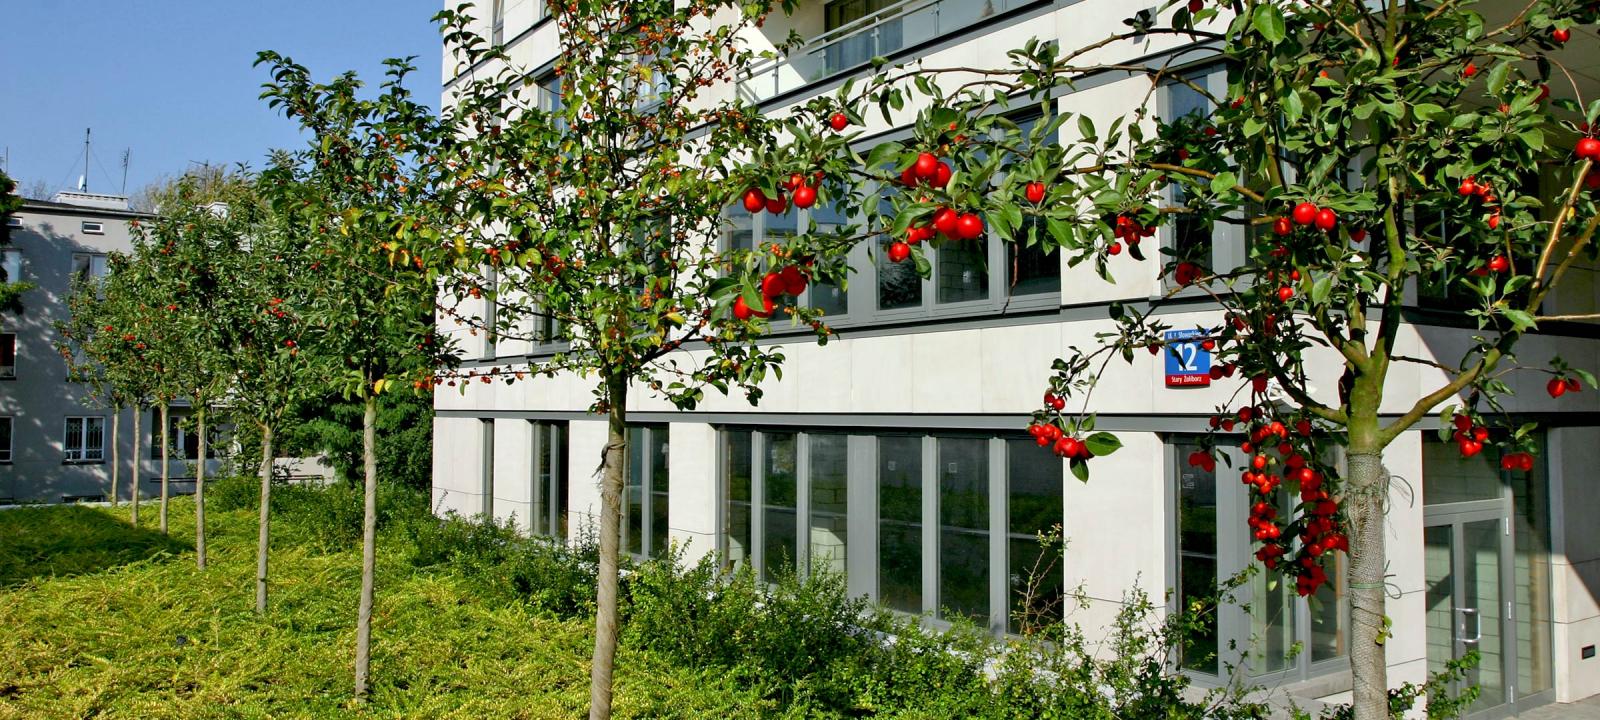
{"points": [[1188, 364]]}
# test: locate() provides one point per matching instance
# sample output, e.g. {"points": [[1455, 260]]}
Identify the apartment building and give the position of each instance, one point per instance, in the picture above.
{"points": [[897, 454], [55, 440]]}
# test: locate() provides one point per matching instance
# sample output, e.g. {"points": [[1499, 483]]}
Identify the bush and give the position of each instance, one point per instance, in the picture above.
{"points": [[329, 516], [544, 573], [234, 492]]}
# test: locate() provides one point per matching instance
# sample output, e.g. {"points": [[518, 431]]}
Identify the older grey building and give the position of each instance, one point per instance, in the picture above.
{"points": [[56, 440]]}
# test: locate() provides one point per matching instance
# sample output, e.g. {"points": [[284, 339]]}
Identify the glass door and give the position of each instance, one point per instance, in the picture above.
{"points": [[1466, 576]]}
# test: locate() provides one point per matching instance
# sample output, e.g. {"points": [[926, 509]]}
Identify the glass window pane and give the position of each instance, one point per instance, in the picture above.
{"points": [[900, 523], [1030, 270], [1327, 615], [1197, 557], [899, 285], [1035, 504], [633, 494], [1447, 477], [827, 297], [964, 527], [829, 502], [736, 542], [539, 512], [962, 270], [780, 534], [1530, 524], [660, 479], [559, 479]]}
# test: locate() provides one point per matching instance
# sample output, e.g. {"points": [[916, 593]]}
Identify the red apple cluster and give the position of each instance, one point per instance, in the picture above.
{"points": [[927, 169], [1561, 386], [1469, 437], [1517, 461], [790, 280], [1131, 232]]}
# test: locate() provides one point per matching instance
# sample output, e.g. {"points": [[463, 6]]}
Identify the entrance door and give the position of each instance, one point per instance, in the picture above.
{"points": [[1466, 559]]}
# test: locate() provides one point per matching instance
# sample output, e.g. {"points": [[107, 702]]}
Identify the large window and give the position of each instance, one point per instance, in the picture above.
{"points": [[944, 525], [88, 266], [1271, 625], [183, 435], [11, 264], [5, 439], [85, 439], [644, 499], [1220, 247], [547, 513]]}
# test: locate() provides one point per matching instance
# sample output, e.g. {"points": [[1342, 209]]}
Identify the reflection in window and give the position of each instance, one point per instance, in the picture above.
{"points": [[900, 523], [962, 274], [963, 527], [1197, 558], [899, 285], [1031, 270], [736, 538], [829, 502], [779, 529], [1037, 588], [644, 496], [825, 296]]}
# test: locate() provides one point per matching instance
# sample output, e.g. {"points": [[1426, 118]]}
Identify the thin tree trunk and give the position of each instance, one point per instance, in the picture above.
{"points": [[133, 512], [1365, 488], [262, 532], [200, 495], [116, 457], [605, 620], [369, 542], [166, 442]]}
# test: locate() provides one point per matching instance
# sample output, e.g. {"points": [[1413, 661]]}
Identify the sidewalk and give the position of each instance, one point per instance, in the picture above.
{"points": [[1582, 710]]}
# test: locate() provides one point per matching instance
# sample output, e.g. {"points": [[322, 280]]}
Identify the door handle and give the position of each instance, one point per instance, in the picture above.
{"points": [[1477, 625]]}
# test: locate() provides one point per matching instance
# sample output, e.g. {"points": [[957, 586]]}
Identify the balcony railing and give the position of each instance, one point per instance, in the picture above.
{"points": [[856, 43]]}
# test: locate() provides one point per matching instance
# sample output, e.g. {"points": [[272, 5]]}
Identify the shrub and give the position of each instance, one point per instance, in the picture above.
{"points": [[544, 573], [233, 492], [328, 517]]}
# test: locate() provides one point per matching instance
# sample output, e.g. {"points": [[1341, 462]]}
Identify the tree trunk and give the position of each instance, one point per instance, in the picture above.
{"points": [[1365, 491], [166, 426], [605, 620], [133, 513], [116, 457], [200, 494], [369, 542], [263, 534]]}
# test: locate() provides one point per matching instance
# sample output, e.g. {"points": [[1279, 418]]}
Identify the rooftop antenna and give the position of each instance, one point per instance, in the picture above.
{"points": [[83, 181], [127, 155]]}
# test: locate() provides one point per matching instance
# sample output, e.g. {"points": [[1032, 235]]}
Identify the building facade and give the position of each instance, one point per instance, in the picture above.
{"points": [[896, 454], [56, 440]]}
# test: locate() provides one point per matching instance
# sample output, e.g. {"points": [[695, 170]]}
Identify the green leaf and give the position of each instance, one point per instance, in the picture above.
{"points": [[1080, 469], [1498, 76], [1520, 320], [1224, 182], [1427, 112], [1102, 444], [1268, 21]]}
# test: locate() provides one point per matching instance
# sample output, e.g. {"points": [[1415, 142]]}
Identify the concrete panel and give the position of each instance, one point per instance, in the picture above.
{"points": [[692, 509]]}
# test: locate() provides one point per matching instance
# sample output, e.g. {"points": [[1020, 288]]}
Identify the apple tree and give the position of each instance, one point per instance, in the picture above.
{"points": [[1364, 149], [366, 308]]}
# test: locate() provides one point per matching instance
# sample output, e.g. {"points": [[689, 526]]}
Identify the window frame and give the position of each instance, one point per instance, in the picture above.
{"points": [[81, 455], [1234, 552], [12, 256], [88, 270], [548, 501], [644, 443], [1229, 243], [8, 346], [7, 449], [863, 554], [98, 227]]}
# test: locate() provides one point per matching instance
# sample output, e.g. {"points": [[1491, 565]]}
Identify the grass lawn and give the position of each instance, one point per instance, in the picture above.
{"points": [[98, 619]]}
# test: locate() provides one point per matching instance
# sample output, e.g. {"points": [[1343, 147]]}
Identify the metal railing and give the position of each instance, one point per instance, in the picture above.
{"points": [[855, 44]]}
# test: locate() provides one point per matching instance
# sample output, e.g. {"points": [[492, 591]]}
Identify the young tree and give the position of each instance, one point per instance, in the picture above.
{"points": [[370, 314], [1366, 150], [600, 223]]}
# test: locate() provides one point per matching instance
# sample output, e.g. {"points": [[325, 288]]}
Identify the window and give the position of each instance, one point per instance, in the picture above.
{"points": [[13, 222], [944, 525], [547, 514], [491, 283], [746, 231], [183, 436], [94, 228], [550, 99], [5, 439], [11, 264], [87, 266], [644, 498], [1221, 247], [853, 46], [8, 356], [85, 439], [1270, 623]]}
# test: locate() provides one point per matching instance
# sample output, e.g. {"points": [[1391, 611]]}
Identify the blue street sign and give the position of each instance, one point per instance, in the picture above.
{"points": [[1188, 364]]}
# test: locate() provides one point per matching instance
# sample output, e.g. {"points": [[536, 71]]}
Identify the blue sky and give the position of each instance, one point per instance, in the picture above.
{"points": [[171, 80]]}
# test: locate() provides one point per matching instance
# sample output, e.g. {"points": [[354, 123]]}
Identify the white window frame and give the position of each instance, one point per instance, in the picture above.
{"points": [[13, 222], [88, 269], [83, 452], [93, 227]]}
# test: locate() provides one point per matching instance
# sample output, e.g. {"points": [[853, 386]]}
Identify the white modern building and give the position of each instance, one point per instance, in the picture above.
{"points": [[897, 454], [55, 440]]}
